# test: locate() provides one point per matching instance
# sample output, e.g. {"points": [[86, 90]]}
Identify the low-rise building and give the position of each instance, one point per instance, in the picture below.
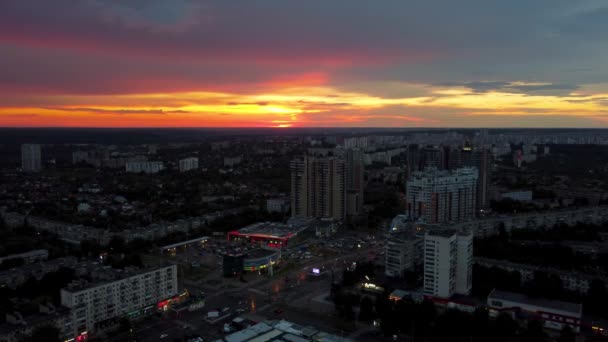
{"points": [[571, 280], [28, 257], [232, 161], [523, 196], [144, 166], [554, 314], [19, 326], [270, 234], [16, 276]]}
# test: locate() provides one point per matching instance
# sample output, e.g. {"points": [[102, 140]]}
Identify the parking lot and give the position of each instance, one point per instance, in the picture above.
{"points": [[290, 294]]}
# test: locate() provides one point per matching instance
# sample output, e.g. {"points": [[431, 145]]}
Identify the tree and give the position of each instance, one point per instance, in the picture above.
{"points": [[90, 248], [567, 335], [481, 324], [505, 327], [597, 298], [117, 244], [12, 263], [366, 309], [47, 333], [534, 332]]}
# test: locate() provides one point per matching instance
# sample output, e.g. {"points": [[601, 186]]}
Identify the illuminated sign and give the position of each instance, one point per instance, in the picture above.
{"points": [[316, 271]]}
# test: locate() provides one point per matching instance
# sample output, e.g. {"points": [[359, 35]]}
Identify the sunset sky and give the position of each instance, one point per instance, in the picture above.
{"points": [[284, 63]]}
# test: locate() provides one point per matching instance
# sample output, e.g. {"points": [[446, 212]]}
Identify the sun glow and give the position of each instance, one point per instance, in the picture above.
{"points": [[292, 106]]}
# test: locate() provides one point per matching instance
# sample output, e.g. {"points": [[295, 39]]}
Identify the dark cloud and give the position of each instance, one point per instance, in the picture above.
{"points": [[115, 46], [485, 86]]}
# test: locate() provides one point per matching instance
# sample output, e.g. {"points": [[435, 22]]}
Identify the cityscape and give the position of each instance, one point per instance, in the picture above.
{"points": [[303, 171], [346, 235]]}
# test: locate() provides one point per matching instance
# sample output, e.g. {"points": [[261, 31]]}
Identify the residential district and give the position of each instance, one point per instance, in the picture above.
{"points": [[335, 235]]}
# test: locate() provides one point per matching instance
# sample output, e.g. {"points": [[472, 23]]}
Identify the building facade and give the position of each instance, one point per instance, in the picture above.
{"points": [[144, 166], [354, 181], [403, 252], [188, 164], [277, 205], [482, 160], [448, 263], [93, 304], [441, 196], [318, 187], [31, 159], [553, 314]]}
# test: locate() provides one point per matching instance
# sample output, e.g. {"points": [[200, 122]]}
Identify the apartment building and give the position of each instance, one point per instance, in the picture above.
{"points": [[441, 196], [144, 166], [188, 164], [31, 160], [318, 187], [448, 262], [403, 252], [120, 293]]}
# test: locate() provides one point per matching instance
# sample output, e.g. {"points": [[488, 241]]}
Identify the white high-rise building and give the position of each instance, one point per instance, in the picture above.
{"points": [[128, 294], [31, 158], [188, 164], [448, 263], [438, 196], [464, 263]]}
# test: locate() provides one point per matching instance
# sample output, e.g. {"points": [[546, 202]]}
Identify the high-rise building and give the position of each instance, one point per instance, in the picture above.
{"points": [[31, 158], [188, 164], [354, 181], [413, 159], [448, 262], [441, 196], [318, 187], [482, 160], [431, 156], [420, 158]]}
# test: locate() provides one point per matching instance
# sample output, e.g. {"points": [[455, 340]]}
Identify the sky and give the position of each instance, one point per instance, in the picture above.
{"points": [[294, 63]]}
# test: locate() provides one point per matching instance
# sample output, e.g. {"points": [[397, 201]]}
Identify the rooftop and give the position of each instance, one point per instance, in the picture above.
{"points": [[281, 331], [101, 275], [259, 253], [575, 309], [274, 229], [441, 232]]}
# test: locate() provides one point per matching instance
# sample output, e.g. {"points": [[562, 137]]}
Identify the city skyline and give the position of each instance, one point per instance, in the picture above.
{"points": [[108, 63]]}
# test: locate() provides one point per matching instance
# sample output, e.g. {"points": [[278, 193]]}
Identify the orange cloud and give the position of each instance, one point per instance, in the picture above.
{"points": [[304, 100]]}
